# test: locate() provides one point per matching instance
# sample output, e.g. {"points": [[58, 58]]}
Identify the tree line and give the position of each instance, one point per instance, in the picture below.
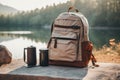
{"points": [[98, 12]]}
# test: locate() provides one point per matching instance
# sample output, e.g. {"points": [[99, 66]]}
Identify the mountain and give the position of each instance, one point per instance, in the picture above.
{"points": [[4, 9]]}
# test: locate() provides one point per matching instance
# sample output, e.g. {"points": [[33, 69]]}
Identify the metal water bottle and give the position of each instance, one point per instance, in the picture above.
{"points": [[44, 59], [31, 56]]}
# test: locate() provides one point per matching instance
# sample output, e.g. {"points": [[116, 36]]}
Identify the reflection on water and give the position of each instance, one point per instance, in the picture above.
{"points": [[16, 41], [15, 32], [101, 37], [16, 46]]}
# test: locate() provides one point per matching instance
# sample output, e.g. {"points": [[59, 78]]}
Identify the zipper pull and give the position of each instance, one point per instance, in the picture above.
{"points": [[55, 45]]}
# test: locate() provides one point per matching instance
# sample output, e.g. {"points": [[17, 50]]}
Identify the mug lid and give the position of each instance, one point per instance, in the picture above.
{"points": [[43, 49], [31, 46]]}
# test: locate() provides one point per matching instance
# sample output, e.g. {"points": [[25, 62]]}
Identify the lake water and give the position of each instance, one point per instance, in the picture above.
{"points": [[16, 41]]}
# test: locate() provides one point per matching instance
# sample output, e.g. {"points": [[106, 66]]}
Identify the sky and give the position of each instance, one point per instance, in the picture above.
{"points": [[30, 4]]}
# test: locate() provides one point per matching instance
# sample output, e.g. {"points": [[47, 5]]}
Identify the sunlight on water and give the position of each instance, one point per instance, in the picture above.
{"points": [[15, 32], [16, 46]]}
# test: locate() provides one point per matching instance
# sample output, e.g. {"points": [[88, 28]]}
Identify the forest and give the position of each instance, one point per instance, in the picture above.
{"points": [[102, 13]]}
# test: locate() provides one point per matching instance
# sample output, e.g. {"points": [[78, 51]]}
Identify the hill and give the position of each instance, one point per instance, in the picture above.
{"points": [[7, 9]]}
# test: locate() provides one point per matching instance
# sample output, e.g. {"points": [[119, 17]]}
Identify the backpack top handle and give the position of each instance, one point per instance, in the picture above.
{"points": [[70, 8]]}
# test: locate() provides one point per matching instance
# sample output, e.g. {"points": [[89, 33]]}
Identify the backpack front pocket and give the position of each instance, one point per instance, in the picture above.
{"points": [[63, 49]]}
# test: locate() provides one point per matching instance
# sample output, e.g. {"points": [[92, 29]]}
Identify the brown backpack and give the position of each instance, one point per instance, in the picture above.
{"points": [[69, 44]]}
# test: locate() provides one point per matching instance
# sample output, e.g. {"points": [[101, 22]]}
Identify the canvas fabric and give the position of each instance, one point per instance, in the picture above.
{"points": [[69, 30]]}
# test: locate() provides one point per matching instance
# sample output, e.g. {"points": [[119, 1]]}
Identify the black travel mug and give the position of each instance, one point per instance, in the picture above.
{"points": [[44, 59], [30, 54]]}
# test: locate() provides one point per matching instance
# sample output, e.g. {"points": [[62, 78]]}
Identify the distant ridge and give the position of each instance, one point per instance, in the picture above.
{"points": [[5, 10]]}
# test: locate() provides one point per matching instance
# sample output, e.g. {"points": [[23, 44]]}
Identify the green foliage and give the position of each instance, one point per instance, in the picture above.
{"points": [[98, 13], [108, 13]]}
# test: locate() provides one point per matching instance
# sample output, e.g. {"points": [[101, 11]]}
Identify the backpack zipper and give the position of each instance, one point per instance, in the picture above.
{"points": [[62, 38], [73, 26]]}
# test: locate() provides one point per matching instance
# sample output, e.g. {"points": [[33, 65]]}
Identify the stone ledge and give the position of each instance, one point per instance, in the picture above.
{"points": [[17, 70], [27, 77]]}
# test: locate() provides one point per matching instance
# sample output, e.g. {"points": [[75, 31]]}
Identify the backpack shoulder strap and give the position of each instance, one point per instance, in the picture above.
{"points": [[51, 34], [93, 59], [52, 27]]}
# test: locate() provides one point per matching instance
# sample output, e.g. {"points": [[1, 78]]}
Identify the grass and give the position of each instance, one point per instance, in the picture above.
{"points": [[109, 53]]}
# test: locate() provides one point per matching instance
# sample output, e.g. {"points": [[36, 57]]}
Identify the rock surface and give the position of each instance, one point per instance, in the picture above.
{"points": [[5, 55], [17, 70]]}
